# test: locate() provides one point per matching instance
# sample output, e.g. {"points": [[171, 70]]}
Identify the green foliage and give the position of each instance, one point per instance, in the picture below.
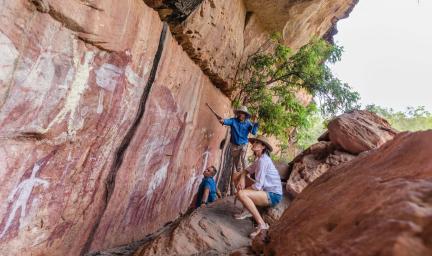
{"points": [[412, 119], [306, 136], [274, 77]]}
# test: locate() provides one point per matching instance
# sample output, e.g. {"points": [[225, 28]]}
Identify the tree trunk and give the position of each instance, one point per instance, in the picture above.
{"points": [[225, 168]]}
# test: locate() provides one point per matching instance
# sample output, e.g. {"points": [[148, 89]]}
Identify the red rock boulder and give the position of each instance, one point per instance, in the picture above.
{"points": [[359, 131], [312, 163], [378, 204]]}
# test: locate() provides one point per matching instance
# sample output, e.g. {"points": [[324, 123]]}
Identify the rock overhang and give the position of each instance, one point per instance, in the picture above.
{"points": [[220, 35]]}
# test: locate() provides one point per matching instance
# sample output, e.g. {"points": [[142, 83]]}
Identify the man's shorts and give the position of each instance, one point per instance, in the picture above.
{"points": [[238, 154], [273, 198]]}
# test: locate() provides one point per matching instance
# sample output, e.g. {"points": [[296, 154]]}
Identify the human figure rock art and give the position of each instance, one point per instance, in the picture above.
{"points": [[22, 194]]}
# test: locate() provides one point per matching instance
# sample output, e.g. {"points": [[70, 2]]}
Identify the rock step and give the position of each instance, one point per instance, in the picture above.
{"points": [[206, 231]]}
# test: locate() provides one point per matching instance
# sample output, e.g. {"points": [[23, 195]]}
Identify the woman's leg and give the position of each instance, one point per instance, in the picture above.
{"points": [[252, 198]]}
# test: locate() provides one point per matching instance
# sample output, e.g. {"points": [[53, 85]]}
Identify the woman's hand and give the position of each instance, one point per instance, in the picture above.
{"points": [[241, 184]]}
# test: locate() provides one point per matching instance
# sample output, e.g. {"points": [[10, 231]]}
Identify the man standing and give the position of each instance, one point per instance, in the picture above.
{"points": [[241, 126]]}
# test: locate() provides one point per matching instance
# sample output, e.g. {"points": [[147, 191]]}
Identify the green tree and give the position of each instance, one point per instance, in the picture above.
{"points": [[306, 136], [273, 77], [412, 119]]}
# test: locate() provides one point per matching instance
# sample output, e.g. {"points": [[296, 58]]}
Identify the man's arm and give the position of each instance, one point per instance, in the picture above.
{"points": [[205, 197], [214, 112], [227, 122], [254, 129], [255, 125]]}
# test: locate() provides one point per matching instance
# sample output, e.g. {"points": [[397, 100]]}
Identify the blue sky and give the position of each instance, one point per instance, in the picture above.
{"points": [[388, 52]]}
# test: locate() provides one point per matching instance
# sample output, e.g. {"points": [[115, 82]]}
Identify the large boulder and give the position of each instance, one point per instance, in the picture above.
{"points": [[359, 131], [348, 135], [312, 163], [378, 204]]}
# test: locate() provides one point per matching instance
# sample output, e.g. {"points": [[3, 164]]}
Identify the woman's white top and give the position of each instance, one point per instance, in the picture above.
{"points": [[266, 175]]}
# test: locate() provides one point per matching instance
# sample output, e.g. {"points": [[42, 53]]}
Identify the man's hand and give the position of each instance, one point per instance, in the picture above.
{"points": [[214, 112], [221, 120], [254, 118]]}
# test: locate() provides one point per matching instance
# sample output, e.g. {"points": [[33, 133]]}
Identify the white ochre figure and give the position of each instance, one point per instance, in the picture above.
{"points": [[24, 190]]}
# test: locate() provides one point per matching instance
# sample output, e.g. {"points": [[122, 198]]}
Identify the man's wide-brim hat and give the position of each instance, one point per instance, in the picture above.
{"points": [[242, 109], [263, 140]]}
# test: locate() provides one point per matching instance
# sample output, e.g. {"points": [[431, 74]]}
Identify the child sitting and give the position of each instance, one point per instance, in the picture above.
{"points": [[207, 192]]}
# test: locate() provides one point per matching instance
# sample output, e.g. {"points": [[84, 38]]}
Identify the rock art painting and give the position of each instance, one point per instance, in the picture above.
{"points": [[19, 197], [101, 143]]}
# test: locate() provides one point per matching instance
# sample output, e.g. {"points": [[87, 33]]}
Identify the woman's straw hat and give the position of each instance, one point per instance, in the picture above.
{"points": [[263, 140]]}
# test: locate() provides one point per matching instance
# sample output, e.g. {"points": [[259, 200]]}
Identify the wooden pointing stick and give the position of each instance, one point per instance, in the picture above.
{"points": [[214, 112]]}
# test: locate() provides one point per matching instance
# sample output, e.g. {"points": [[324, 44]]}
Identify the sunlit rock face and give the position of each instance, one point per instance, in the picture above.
{"points": [[104, 132], [377, 204]]}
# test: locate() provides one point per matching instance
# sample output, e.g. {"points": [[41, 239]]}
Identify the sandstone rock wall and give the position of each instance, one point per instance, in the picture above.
{"points": [[91, 157], [175, 141], [213, 36]]}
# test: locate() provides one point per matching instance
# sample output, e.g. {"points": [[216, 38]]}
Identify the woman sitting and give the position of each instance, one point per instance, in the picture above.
{"points": [[267, 189]]}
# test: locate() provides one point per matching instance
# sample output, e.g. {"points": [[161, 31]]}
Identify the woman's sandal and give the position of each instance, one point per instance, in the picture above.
{"points": [[243, 215], [258, 230]]}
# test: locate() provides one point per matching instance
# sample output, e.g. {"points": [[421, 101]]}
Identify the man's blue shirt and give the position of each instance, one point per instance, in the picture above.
{"points": [[240, 130], [207, 182]]}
